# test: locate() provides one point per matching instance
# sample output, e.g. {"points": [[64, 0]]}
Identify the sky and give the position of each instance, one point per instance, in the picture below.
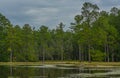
{"points": [[48, 12]]}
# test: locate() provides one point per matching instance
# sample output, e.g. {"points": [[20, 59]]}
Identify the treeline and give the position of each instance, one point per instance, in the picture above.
{"points": [[94, 35]]}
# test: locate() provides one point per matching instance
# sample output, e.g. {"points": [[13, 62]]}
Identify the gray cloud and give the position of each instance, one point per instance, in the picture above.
{"points": [[47, 12]]}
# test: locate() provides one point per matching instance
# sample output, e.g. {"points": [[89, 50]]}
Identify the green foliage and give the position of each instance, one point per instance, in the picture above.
{"points": [[4, 25], [97, 55], [93, 36]]}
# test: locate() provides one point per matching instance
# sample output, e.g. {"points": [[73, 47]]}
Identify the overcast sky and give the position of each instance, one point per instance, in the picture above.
{"points": [[48, 12]]}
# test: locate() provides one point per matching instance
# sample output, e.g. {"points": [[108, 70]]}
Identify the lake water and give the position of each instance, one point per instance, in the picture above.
{"points": [[55, 71]]}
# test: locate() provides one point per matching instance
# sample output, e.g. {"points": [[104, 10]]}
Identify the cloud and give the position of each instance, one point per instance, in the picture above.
{"points": [[108, 4], [47, 12]]}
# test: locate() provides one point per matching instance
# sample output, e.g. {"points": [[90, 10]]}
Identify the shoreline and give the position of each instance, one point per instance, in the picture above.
{"points": [[65, 63]]}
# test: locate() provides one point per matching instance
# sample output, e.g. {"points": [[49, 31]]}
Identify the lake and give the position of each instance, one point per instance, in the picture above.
{"points": [[58, 71]]}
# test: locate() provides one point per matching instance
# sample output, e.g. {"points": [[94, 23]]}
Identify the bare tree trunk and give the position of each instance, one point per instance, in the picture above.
{"points": [[107, 48], [43, 60], [112, 55], [107, 59], [82, 54], [89, 54], [105, 53], [86, 54], [11, 54], [79, 53], [62, 54]]}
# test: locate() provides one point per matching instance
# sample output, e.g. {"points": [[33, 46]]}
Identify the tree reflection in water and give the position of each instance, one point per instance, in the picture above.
{"points": [[47, 72], [34, 72]]}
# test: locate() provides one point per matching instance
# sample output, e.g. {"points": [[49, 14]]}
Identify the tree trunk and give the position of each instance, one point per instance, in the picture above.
{"points": [[107, 50], [105, 53], [62, 55], [112, 57], [79, 53], [11, 55], [43, 56], [107, 59], [86, 54], [60, 46], [89, 54]]}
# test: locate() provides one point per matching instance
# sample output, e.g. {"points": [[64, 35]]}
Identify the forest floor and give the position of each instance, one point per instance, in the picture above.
{"points": [[66, 63]]}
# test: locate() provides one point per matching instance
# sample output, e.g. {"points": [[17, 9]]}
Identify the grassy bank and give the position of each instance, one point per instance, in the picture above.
{"points": [[64, 63], [40, 63]]}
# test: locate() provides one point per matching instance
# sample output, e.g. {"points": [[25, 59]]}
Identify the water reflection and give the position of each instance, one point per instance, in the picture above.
{"points": [[57, 72]]}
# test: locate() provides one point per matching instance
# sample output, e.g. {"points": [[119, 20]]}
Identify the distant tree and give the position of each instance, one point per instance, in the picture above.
{"points": [[90, 14], [4, 25], [60, 40], [28, 44]]}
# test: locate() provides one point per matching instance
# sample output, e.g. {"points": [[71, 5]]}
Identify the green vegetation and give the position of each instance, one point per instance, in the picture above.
{"points": [[94, 35]]}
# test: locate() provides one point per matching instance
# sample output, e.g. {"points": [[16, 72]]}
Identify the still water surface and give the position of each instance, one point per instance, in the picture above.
{"points": [[53, 71]]}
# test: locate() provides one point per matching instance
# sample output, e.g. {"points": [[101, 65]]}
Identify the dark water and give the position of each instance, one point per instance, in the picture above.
{"points": [[49, 71]]}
